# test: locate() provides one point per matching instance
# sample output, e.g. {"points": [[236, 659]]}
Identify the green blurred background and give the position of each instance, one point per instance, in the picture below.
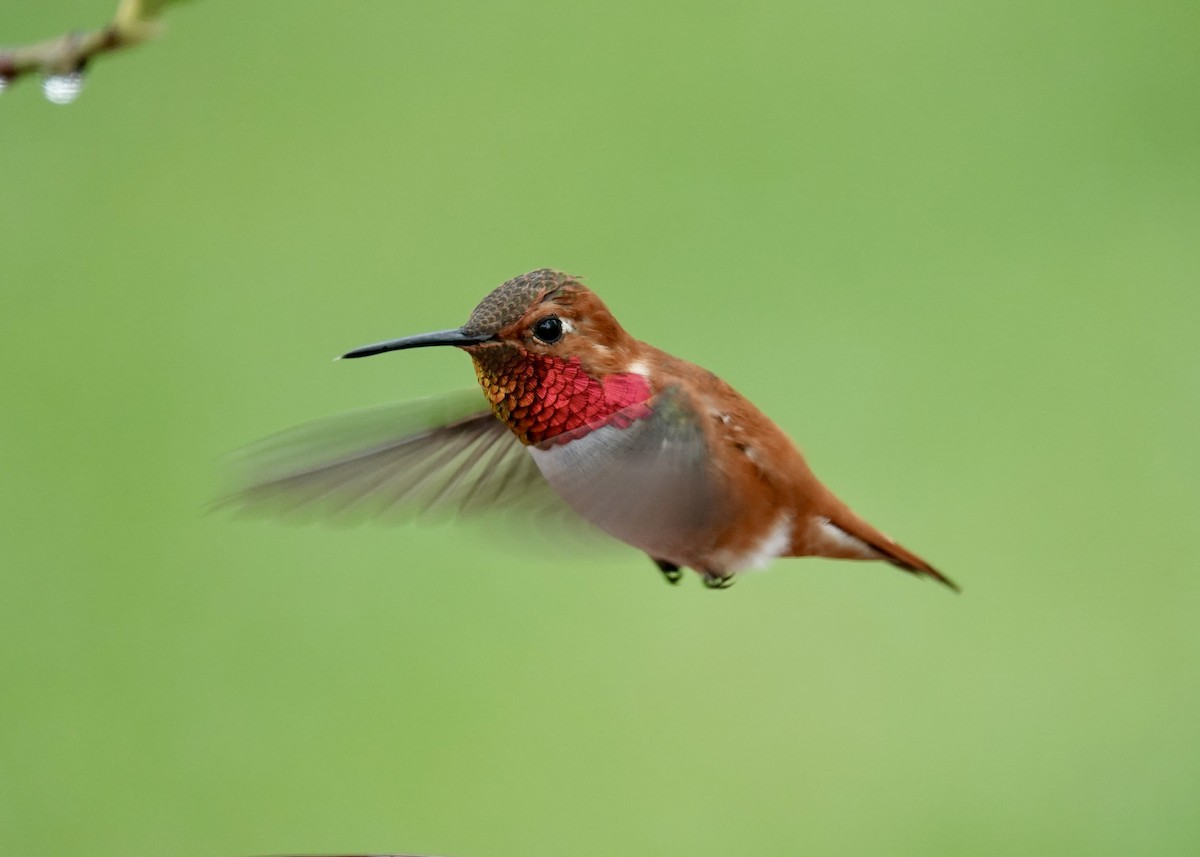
{"points": [[952, 248]]}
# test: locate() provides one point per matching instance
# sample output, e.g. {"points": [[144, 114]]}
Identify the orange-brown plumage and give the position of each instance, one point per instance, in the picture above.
{"points": [[768, 463], [765, 473]]}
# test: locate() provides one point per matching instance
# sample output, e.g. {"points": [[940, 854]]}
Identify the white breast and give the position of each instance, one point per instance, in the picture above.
{"points": [[644, 485]]}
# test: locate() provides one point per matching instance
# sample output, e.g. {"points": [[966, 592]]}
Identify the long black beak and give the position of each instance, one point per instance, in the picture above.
{"points": [[421, 340]]}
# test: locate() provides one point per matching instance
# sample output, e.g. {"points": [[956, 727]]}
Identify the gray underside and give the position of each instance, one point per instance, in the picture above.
{"points": [[648, 484]]}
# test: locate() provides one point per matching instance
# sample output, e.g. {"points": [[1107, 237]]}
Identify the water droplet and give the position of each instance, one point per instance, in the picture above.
{"points": [[62, 88]]}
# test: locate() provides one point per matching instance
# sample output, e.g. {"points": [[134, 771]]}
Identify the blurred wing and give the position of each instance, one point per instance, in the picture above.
{"points": [[443, 454]]}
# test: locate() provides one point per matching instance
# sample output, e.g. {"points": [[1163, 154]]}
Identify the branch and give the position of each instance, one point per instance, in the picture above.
{"points": [[61, 61]]}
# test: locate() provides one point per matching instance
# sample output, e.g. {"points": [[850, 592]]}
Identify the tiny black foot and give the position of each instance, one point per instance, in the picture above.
{"points": [[670, 571], [717, 581]]}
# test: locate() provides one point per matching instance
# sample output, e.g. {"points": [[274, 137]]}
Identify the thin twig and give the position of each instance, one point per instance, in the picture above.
{"points": [[135, 22]]}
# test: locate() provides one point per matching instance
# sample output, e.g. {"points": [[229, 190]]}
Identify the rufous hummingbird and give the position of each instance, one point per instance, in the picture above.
{"points": [[649, 448]]}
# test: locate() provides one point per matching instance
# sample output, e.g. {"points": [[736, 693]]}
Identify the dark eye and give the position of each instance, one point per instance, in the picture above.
{"points": [[548, 329]]}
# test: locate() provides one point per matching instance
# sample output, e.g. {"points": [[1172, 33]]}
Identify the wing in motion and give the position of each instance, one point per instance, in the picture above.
{"points": [[446, 454]]}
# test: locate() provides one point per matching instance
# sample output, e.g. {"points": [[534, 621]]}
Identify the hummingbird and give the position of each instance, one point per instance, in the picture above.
{"points": [[649, 448]]}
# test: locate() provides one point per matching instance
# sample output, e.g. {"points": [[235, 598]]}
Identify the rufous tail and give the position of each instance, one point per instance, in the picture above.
{"points": [[887, 548]]}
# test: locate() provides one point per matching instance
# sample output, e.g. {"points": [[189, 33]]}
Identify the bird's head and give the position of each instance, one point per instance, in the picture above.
{"points": [[543, 338]]}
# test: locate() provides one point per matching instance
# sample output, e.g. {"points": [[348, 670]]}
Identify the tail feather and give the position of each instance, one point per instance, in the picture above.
{"points": [[905, 559], [887, 549]]}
